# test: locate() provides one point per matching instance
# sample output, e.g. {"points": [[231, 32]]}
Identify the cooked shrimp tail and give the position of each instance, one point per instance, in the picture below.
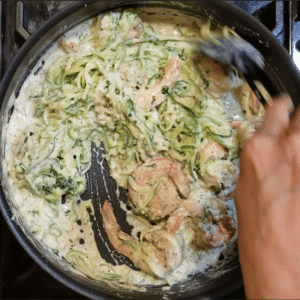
{"points": [[158, 253], [69, 47], [120, 240], [209, 230]]}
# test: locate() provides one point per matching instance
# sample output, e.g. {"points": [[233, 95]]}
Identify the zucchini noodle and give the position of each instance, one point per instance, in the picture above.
{"points": [[118, 86]]}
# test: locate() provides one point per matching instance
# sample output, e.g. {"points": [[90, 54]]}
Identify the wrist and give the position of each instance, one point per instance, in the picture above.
{"points": [[266, 276]]}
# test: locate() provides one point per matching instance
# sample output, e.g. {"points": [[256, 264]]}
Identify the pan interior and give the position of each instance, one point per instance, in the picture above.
{"points": [[101, 187]]}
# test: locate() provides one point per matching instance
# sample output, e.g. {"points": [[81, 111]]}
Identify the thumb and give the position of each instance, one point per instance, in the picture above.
{"points": [[277, 118]]}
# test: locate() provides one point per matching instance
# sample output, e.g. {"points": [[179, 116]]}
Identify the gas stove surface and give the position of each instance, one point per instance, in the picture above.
{"points": [[20, 276]]}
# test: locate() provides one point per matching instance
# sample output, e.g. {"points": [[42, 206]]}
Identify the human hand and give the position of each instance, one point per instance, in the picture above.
{"points": [[267, 200]]}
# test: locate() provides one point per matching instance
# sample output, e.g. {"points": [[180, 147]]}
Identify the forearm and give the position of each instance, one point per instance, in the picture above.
{"points": [[267, 275]]}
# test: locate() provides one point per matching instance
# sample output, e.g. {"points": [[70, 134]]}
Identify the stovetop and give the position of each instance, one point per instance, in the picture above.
{"points": [[20, 276]]}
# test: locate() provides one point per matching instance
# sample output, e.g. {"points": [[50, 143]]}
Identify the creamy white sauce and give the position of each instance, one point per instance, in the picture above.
{"points": [[65, 233]]}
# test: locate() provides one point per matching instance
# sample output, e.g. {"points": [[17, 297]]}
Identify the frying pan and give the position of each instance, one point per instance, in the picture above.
{"points": [[280, 68]]}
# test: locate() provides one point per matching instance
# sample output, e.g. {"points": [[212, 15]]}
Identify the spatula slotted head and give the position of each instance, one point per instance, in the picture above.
{"points": [[235, 52], [245, 58]]}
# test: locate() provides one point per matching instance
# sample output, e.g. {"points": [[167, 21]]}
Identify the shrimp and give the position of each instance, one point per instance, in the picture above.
{"points": [[208, 235], [208, 227], [131, 75], [155, 95], [217, 79], [156, 188], [245, 130], [251, 106], [215, 170], [253, 112], [69, 47], [159, 252], [135, 30], [211, 148]]}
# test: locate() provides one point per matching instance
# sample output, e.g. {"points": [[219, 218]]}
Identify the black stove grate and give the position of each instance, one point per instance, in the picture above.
{"points": [[20, 276]]}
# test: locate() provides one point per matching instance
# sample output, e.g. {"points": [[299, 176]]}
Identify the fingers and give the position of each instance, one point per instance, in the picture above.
{"points": [[295, 123], [292, 148], [260, 156], [278, 183], [262, 153], [277, 119], [292, 143]]}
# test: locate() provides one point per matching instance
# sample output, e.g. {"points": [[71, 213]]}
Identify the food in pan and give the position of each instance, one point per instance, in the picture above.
{"points": [[171, 125]]}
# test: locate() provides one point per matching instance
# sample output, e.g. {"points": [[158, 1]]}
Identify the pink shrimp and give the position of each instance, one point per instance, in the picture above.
{"points": [[211, 148], [136, 30], [69, 47], [147, 99], [245, 130], [157, 187], [251, 106], [218, 80], [219, 228], [158, 253]]}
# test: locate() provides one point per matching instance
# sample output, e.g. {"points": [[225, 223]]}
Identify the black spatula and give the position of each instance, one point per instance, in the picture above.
{"points": [[244, 57]]}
